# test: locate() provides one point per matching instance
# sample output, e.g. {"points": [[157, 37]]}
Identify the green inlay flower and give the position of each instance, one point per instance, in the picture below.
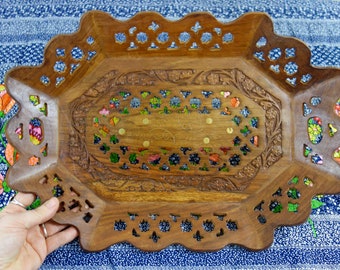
{"points": [[125, 111], [133, 158], [114, 157], [293, 193], [165, 110], [155, 102], [294, 180], [144, 94], [114, 139], [293, 207], [145, 111]]}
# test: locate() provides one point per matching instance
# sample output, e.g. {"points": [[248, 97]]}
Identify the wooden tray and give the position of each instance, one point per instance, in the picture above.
{"points": [[194, 131]]}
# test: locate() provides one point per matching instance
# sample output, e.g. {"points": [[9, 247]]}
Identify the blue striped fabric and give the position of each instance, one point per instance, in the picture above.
{"points": [[25, 29]]}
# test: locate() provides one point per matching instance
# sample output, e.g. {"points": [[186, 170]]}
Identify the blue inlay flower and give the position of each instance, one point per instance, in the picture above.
{"points": [[144, 226], [184, 37], [142, 37], [120, 37], [206, 37], [164, 226], [120, 225], [163, 37], [186, 226]]}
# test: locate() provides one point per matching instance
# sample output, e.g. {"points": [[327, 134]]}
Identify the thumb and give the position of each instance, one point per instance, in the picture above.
{"points": [[41, 214]]}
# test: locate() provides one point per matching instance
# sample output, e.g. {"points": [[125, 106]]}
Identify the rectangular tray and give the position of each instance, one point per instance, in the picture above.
{"points": [[193, 131]]}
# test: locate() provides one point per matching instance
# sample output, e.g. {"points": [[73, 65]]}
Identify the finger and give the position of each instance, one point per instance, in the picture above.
{"points": [[53, 227], [61, 238], [26, 199], [41, 214]]}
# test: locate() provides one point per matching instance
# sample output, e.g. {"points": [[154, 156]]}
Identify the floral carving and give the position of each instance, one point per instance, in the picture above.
{"points": [[101, 173]]}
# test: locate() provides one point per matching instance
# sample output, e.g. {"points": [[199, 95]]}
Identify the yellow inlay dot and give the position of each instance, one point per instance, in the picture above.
{"points": [[146, 143], [121, 131], [209, 121], [146, 121], [206, 140], [230, 130]]}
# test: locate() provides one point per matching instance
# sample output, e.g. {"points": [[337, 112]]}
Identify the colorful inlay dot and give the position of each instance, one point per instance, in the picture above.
{"points": [[230, 130], [121, 131], [206, 140]]}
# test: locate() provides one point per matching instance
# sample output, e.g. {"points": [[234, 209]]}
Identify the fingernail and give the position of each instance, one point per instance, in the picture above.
{"points": [[51, 202]]}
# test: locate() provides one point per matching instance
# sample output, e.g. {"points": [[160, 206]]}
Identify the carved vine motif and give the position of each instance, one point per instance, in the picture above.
{"points": [[116, 181]]}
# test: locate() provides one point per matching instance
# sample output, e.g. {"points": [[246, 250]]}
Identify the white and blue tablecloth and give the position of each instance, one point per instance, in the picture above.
{"points": [[27, 26]]}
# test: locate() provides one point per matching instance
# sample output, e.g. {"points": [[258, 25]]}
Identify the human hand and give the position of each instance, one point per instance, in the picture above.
{"points": [[27, 237]]}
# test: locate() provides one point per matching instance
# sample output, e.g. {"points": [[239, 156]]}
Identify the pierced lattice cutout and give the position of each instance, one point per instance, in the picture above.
{"points": [[285, 199], [196, 28], [164, 226], [293, 207], [44, 150], [291, 81], [291, 68], [187, 225], [60, 52], [337, 107], [34, 161], [306, 78], [90, 40], [74, 206], [74, 67], [259, 56], [60, 67], [261, 42], [153, 26], [34, 99], [315, 129], [88, 204], [77, 53], [19, 131], [45, 80], [36, 131], [274, 54], [275, 68], [43, 109], [57, 191], [74, 192], [336, 155], [43, 180], [141, 37], [62, 207], [290, 53], [87, 217], [227, 38]]}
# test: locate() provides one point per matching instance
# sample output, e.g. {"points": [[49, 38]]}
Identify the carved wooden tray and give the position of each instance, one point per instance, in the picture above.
{"points": [[193, 131]]}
